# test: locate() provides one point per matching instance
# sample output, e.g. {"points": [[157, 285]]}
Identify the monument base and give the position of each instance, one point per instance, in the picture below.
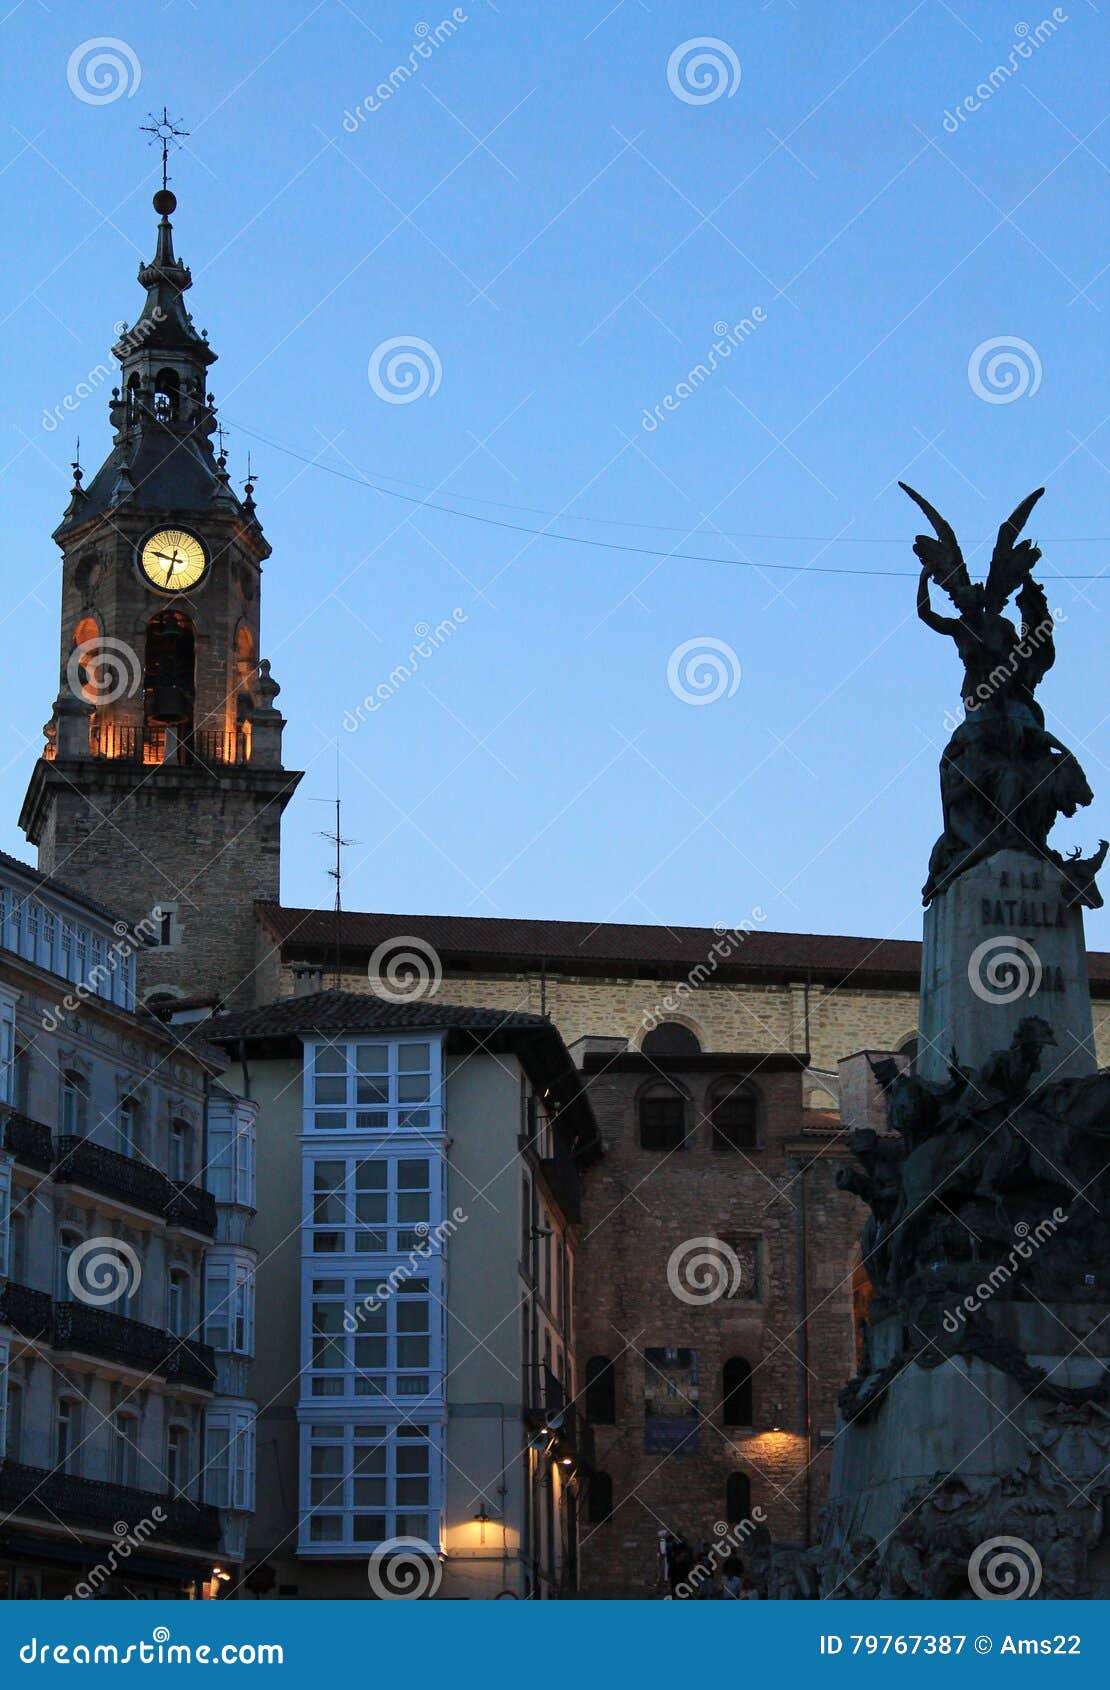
{"points": [[1002, 944], [948, 1458]]}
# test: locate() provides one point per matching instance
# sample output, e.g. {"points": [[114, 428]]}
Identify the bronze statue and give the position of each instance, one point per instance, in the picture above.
{"points": [[1004, 779]]}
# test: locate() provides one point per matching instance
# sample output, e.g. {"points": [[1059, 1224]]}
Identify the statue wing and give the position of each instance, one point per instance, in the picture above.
{"points": [[941, 557], [1010, 563]]}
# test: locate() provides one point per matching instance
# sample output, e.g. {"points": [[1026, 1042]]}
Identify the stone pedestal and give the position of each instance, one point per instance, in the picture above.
{"points": [[1001, 944]]}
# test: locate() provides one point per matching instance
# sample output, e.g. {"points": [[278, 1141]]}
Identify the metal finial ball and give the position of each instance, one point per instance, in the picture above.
{"points": [[165, 202]]}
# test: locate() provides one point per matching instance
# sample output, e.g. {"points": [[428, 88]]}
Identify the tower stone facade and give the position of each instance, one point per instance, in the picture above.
{"points": [[161, 785]]}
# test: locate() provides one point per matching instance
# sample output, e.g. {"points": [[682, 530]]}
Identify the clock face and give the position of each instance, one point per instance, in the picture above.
{"points": [[173, 560]]}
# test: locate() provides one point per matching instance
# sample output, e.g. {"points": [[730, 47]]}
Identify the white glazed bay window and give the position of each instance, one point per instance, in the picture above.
{"points": [[229, 1456], [368, 1339], [373, 1085], [367, 1484], [230, 1175]]}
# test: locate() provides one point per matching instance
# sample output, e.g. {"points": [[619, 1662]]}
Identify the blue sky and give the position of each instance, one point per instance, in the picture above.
{"points": [[564, 226]]}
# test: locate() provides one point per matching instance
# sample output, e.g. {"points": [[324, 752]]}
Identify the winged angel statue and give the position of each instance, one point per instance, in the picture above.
{"points": [[1004, 778]]}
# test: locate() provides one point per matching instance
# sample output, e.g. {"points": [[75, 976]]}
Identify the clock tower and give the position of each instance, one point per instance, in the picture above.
{"points": [[160, 788]]}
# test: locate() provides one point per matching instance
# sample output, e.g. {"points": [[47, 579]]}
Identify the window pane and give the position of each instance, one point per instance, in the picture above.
{"points": [[372, 1059], [412, 1058], [331, 1059], [326, 1528], [368, 1528], [330, 1090], [412, 1176], [371, 1176], [412, 1492], [413, 1088], [328, 1460], [372, 1091], [412, 1352], [412, 1206]]}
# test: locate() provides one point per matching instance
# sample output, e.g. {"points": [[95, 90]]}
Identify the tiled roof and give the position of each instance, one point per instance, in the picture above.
{"points": [[623, 946], [362, 1012]]}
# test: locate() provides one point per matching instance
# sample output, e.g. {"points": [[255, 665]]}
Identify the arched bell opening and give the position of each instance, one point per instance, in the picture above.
{"points": [[169, 686], [167, 395]]}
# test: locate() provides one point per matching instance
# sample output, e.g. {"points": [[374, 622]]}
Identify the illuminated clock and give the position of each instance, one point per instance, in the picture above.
{"points": [[173, 560]]}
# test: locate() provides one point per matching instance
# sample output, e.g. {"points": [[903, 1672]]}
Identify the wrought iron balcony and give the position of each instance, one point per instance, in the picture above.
{"points": [[28, 1312], [549, 1407], [192, 1206], [28, 1141], [96, 1504], [190, 1363], [81, 1162], [98, 1332]]}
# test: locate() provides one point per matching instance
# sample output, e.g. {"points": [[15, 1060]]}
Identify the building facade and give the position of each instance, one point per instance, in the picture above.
{"points": [[124, 1179], [418, 1228]]}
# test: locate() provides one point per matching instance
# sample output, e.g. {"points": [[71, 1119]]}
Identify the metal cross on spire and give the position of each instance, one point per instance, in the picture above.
{"points": [[167, 132]]}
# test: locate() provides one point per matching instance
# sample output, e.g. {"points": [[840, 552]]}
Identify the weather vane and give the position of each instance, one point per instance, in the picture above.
{"points": [[165, 131]]}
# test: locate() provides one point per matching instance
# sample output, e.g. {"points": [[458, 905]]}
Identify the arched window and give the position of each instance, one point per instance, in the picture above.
{"points": [[68, 1240], [126, 1137], [600, 1498], [86, 635], [67, 1435], [134, 391], [662, 1113], [601, 1391], [177, 1460], [167, 393], [178, 1302], [732, 1115], [737, 1382], [169, 675], [180, 1160], [738, 1498], [75, 1105], [13, 1429], [670, 1038], [17, 1247], [125, 1450], [21, 1077]]}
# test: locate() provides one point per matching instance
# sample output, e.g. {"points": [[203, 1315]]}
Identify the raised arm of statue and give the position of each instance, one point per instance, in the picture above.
{"points": [[930, 617]]}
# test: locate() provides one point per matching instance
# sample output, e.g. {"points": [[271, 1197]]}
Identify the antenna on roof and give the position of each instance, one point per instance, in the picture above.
{"points": [[336, 873]]}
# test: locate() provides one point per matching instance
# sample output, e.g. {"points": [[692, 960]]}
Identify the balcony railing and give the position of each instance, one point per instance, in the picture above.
{"points": [[81, 1162], [101, 1333], [128, 743], [190, 1363], [28, 1141], [28, 1312], [96, 1504], [192, 1206]]}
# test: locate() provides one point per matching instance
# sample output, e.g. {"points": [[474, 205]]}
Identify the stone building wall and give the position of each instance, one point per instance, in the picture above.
{"points": [[778, 1205]]}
